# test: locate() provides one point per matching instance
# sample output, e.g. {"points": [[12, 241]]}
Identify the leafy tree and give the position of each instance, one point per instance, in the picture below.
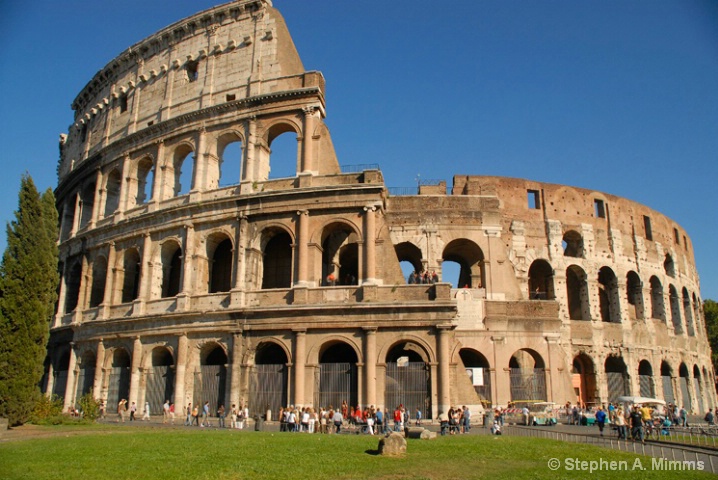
{"points": [[28, 282], [710, 311]]}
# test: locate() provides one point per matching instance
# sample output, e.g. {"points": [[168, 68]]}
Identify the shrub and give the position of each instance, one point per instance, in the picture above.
{"points": [[89, 406]]}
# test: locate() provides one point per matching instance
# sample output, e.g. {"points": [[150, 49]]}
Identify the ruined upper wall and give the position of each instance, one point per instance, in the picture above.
{"points": [[228, 53]]}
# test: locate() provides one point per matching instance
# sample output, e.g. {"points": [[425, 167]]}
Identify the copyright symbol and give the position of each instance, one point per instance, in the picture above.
{"points": [[554, 464]]}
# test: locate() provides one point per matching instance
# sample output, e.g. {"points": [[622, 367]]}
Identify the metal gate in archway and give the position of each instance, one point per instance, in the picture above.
{"points": [[409, 385], [335, 383], [160, 383], [684, 392], [617, 385], [668, 389], [85, 382], [119, 386], [209, 386], [268, 388], [645, 383], [528, 384], [699, 396]]}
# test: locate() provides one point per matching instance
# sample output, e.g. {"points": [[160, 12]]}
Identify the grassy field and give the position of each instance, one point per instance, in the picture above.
{"points": [[154, 453]]}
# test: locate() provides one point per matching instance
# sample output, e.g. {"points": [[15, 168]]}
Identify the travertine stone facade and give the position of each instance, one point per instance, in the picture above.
{"points": [[182, 282]]}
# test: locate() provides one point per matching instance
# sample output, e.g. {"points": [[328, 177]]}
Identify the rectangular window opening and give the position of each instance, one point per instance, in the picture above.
{"points": [[149, 124], [123, 103], [677, 236], [647, 227], [534, 199], [231, 97], [599, 208]]}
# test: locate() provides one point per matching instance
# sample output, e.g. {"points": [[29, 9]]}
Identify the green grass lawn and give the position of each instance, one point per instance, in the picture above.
{"points": [[154, 453]]}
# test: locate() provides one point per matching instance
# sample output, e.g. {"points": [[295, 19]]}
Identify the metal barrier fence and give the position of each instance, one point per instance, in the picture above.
{"points": [[669, 453]]}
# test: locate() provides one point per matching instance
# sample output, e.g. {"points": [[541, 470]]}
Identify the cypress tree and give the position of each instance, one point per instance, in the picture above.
{"points": [[28, 283]]}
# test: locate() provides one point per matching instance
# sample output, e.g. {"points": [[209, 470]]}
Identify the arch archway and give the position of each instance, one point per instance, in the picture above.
{"points": [[219, 253], [86, 375], [408, 379], [617, 378], [99, 279], [479, 371], [171, 258], [527, 375], [583, 379], [410, 258], [675, 310], [698, 387], [276, 259], [572, 244], [634, 295], [131, 275], [72, 283], [160, 379], [688, 313], [112, 192], [210, 381], [336, 379], [269, 379], [541, 281], [658, 309], [470, 258], [183, 170], [577, 293], [119, 382], [608, 296], [340, 255], [645, 379], [60, 372]]}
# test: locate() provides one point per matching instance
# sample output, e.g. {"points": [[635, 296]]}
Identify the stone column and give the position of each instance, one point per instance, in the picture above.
{"points": [[180, 369], [50, 380], [249, 168], [157, 193], [240, 261], [135, 372], [97, 200], [99, 365], [370, 246], [61, 295], [200, 167], [188, 253], [307, 144], [145, 273], [235, 369], [70, 388], [302, 249], [76, 215], [299, 366], [124, 187], [85, 285], [444, 371], [370, 365], [109, 280]]}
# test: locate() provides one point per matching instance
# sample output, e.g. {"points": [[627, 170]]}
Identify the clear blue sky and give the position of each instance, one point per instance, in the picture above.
{"points": [[616, 96]]}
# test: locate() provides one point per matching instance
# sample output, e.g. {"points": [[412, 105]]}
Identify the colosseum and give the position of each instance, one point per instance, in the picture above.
{"points": [[192, 274]]}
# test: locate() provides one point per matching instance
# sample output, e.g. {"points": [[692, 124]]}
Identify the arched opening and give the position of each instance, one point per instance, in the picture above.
{"points": [[112, 192], [697, 315], [471, 261], [658, 309], [577, 293], [269, 379], [87, 202], [337, 378], [683, 382], [72, 283], [409, 256], [541, 281], [479, 373], [119, 384], [283, 152], [572, 244], [99, 278], [645, 379], [210, 381], [171, 269], [160, 379], [230, 163], [667, 380], [86, 375], [145, 181], [407, 380], [698, 387], [675, 310], [669, 266], [277, 260], [527, 375], [688, 312], [608, 296], [131, 279], [583, 379], [634, 295], [220, 265], [183, 170], [60, 372], [66, 218], [617, 378], [340, 255]]}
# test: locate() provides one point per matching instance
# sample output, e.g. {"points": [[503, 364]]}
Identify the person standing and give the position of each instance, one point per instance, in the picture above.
{"points": [[133, 410], [205, 415], [600, 420], [620, 420], [172, 413], [220, 415], [166, 411], [188, 412], [684, 417], [146, 414], [418, 417], [467, 419], [338, 419], [121, 409], [637, 424]]}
